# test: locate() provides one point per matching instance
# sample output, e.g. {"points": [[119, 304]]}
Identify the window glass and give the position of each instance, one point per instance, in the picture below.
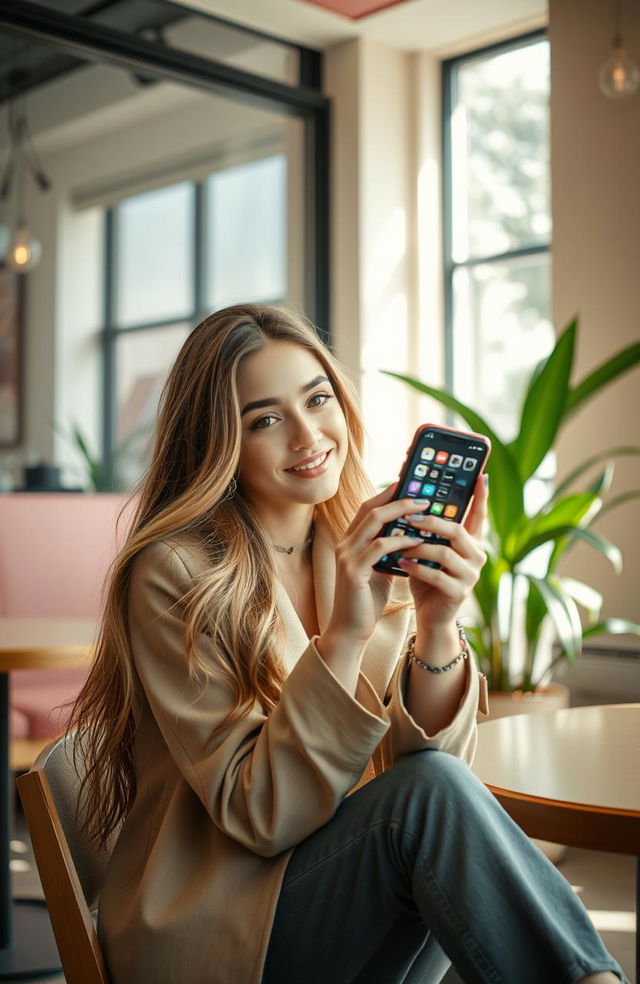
{"points": [[500, 152], [247, 232], [143, 359], [501, 330], [155, 255]]}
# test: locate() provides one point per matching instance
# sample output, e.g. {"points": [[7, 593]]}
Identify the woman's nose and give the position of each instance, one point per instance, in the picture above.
{"points": [[303, 434]]}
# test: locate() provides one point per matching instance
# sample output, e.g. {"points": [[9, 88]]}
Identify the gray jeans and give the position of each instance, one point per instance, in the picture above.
{"points": [[419, 869]]}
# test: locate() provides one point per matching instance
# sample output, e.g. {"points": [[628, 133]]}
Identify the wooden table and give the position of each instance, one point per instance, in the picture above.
{"points": [[27, 947], [570, 776]]}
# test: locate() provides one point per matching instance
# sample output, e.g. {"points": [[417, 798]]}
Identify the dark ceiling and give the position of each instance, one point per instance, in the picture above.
{"points": [[26, 64]]}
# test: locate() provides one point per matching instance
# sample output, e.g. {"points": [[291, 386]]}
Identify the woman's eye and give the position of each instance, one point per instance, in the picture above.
{"points": [[262, 423], [323, 397]]}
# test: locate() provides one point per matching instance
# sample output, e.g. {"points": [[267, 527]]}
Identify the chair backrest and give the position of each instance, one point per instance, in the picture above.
{"points": [[71, 868]]}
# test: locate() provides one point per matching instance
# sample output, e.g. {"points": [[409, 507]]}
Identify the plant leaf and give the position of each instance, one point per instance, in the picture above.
{"points": [[616, 452], [563, 613], [506, 503], [618, 364], [602, 483], [535, 612], [618, 501], [573, 510], [544, 405], [599, 543], [585, 596], [486, 587], [614, 626]]}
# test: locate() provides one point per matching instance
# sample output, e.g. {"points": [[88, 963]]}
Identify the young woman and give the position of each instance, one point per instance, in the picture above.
{"points": [[287, 779]]}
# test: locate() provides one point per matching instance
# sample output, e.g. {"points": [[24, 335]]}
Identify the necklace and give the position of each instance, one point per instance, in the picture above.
{"points": [[296, 549]]}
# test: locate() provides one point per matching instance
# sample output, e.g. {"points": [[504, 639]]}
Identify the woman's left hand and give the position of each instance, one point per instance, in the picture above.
{"points": [[439, 592]]}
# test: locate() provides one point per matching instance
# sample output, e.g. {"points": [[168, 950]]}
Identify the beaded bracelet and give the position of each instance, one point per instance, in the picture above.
{"points": [[463, 654]]}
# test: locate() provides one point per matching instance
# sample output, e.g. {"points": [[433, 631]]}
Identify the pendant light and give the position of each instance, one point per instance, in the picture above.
{"points": [[23, 251], [619, 76]]}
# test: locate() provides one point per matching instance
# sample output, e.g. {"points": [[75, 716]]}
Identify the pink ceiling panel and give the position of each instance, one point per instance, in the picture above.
{"points": [[355, 9]]}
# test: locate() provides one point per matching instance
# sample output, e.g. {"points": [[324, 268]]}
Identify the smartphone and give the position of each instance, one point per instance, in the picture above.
{"points": [[441, 467]]}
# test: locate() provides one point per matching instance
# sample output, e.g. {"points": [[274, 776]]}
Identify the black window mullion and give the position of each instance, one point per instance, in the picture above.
{"points": [[200, 251], [109, 345], [449, 98]]}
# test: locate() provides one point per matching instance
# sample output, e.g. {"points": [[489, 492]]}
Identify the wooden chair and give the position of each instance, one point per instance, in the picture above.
{"points": [[71, 868]]}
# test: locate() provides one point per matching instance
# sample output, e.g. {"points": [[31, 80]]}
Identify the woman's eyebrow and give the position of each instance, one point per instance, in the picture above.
{"points": [[271, 401]]}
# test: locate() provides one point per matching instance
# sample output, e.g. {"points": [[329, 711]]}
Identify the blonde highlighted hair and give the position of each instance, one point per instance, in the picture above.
{"points": [[185, 493]]}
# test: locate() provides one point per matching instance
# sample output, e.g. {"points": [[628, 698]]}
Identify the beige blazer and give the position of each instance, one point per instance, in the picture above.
{"points": [[192, 886]]}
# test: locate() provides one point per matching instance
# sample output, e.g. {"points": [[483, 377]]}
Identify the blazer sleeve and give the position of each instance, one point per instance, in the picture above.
{"points": [[265, 781], [458, 738]]}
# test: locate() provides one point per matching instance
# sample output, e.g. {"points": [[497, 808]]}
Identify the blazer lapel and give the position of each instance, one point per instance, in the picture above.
{"points": [[323, 560], [323, 563], [385, 645]]}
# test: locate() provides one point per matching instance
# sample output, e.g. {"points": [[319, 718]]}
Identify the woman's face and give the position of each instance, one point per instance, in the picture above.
{"points": [[291, 420]]}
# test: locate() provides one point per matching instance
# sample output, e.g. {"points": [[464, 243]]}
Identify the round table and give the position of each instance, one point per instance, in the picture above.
{"points": [[570, 776], [27, 946]]}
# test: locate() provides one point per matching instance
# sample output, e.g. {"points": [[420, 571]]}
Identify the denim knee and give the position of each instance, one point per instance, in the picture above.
{"points": [[424, 782]]}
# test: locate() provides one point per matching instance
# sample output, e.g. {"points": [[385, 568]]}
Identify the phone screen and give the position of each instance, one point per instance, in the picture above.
{"points": [[441, 468]]}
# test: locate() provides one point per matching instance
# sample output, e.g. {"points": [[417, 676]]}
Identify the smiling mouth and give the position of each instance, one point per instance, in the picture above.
{"points": [[311, 465]]}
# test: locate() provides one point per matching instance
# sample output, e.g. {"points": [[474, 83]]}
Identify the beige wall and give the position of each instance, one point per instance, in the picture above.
{"points": [[596, 269], [385, 270]]}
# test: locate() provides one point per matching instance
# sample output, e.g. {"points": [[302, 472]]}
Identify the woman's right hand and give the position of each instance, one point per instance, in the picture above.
{"points": [[361, 594]]}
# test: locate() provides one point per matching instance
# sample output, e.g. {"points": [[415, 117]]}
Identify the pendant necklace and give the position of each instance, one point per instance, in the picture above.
{"points": [[296, 549]]}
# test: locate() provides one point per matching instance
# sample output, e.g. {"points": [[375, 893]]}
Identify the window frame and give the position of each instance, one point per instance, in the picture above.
{"points": [[111, 332], [78, 34], [450, 265]]}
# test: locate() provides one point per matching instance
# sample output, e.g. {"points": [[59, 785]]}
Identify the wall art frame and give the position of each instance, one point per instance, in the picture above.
{"points": [[11, 358]]}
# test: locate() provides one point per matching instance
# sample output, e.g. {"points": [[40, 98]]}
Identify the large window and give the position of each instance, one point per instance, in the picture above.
{"points": [[179, 252], [497, 224]]}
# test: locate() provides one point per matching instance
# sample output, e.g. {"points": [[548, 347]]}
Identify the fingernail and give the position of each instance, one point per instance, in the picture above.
{"points": [[408, 560], [419, 502], [415, 516], [486, 480]]}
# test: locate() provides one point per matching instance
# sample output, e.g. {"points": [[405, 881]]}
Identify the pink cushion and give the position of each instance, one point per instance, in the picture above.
{"points": [[18, 724]]}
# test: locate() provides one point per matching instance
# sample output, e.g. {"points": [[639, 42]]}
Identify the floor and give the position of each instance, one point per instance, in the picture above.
{"points": [[604, 882]]}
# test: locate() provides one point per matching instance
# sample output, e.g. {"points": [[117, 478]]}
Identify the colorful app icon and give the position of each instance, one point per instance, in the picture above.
{"points": [[398, 531], [448, 476], [462, 482], [428, 489], [442, 492], [450, 512], [469, 464], [413, 488], [442, 457], [428, 454], [455, 461], [420, 471], [437, 508], [435, 473]]}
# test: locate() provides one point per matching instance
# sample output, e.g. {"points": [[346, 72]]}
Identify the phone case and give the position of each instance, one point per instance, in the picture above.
{"points": [[386, 565]]}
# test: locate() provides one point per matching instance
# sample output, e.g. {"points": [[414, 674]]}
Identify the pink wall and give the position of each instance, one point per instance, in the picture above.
{"points": [[55, 550]]}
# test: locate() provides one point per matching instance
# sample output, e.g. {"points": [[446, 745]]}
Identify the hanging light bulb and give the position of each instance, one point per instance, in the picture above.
{"points": [[24, 250], [20, 251], [619, 76]]}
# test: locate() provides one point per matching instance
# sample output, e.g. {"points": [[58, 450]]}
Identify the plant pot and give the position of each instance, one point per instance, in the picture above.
{"points": [[551, 698]]}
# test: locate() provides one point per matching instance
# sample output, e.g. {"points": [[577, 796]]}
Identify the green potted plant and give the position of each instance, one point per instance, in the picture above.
{"points": [[520, 589], [100, 479]]}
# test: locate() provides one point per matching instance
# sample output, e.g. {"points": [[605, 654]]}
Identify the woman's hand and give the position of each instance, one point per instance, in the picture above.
{"points": [[438, 593], [361, 593]]}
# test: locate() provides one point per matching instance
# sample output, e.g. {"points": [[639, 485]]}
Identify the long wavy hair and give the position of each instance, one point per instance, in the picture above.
{"points": [[185, 493]]}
